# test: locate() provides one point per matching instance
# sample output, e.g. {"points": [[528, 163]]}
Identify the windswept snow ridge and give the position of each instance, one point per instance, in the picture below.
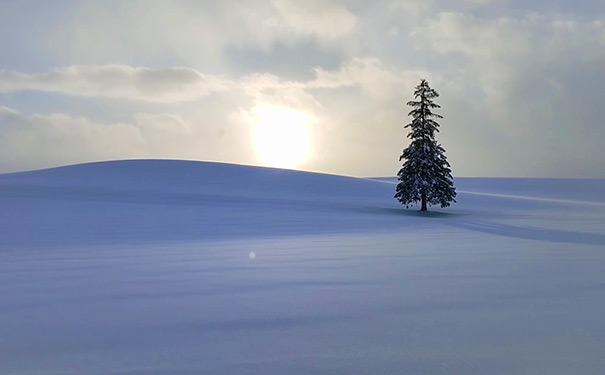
{"points": [[175, 267]]}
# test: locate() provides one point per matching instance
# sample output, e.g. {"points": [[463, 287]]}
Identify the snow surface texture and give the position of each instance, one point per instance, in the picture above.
{"points": [[171, 267]]}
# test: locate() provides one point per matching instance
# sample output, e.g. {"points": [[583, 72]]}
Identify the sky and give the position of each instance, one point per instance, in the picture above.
{"points": [[316, 85]]}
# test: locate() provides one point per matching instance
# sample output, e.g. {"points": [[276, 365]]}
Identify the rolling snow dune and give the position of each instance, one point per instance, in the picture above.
{"points": [[175, 267], [155, 200]]}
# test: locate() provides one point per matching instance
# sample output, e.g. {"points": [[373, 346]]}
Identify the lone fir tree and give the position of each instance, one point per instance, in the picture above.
{"points": [[426, 175]]}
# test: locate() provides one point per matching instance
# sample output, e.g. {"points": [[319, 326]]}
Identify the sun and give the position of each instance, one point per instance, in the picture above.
{"points": [[281, 136]]}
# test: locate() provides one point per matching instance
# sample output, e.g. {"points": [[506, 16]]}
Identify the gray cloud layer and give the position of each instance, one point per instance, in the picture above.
{"points": [[117, 81], [520, 85]]}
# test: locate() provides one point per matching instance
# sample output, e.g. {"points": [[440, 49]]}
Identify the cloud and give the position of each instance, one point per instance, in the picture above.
{"points": [[220, 128], [451, 32], [43, 140], [370, 75], [118, 81], [496, 50], [520, 83], [46, 140], [326, 20], [179, 84], [191, 33], [533, 82], [170, 85]]}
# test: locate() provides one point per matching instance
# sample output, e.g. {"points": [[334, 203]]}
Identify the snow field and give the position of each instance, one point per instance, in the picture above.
{"points": [[146, 267]]}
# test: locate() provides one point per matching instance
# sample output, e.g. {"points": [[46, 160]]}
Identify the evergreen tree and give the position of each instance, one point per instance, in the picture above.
{"points": [[426, 175]]}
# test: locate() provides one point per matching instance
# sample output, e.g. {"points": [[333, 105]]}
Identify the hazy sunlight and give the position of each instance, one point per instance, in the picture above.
{"points": [[282, 136]]}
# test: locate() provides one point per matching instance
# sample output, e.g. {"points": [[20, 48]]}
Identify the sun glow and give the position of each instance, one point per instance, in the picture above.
{"points": [[282, 136]]}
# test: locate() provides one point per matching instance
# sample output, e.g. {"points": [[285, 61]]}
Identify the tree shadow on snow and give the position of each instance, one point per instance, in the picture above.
{"points": [[408, 212], [532, 233]]}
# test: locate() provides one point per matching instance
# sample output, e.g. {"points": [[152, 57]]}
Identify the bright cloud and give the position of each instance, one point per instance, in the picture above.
{"points": [[34, 141]]}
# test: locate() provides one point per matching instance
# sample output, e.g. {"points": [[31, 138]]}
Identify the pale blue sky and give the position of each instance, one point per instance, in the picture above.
{"points": [[521, 82]]}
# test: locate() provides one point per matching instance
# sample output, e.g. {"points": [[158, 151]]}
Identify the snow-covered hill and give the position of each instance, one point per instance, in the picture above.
{"points": [[146, 201], [175, 267]]}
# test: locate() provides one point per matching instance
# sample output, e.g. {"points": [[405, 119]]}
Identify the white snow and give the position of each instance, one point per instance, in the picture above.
{"points": [[172, 267]]}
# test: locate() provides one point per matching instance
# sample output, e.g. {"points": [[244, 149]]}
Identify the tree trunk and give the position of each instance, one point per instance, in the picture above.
{"points": [[423, 207]]}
